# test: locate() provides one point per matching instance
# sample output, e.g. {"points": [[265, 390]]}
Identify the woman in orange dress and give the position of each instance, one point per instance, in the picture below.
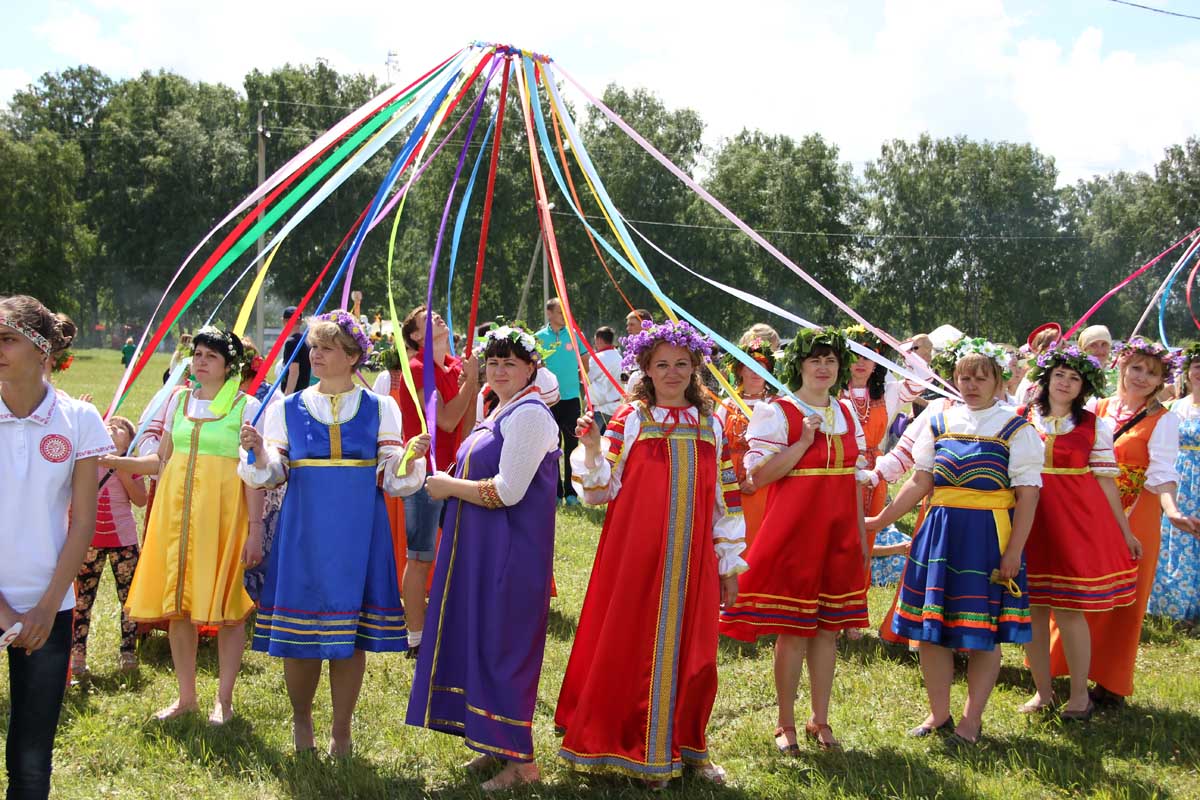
{"points": [[1146, 444], [753, 390]]}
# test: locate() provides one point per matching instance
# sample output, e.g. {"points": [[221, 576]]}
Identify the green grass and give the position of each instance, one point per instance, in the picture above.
{"points": [[108, 747]]}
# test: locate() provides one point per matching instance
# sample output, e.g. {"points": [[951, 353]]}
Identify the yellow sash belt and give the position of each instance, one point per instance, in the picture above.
{"points": [[1066, 470], [800, 473], [998, 502], [332, 462]]}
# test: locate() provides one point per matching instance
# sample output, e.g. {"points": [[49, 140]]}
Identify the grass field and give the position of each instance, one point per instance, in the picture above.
{"points": [[109, 747]]}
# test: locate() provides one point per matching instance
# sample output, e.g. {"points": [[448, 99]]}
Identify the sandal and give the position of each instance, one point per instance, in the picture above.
{"points": [[788, 749], [927, 729], [1104, 698], [814, 730], [482, 763], [1031, 707], [711, 773], [509, 780], [1078, 716], [956, 741]]}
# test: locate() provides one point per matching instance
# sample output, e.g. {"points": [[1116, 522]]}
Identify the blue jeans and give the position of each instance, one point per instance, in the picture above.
{"points": [[36, 684], [422, 516]]}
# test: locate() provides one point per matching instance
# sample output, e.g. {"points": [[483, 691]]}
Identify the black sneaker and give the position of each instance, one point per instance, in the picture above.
{"points": [[413, 651]]}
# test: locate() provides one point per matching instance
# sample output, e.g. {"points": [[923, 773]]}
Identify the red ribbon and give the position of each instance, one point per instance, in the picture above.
{"points": [[1136, 273]]}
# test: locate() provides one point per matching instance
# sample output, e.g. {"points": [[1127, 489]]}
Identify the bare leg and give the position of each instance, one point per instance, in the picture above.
{"points": [[1038, 653], [983, 667], [416, 575], [822, 660], [302, 676], [789, 667], [231, 641], [345, 682], [1077, 646], [937, 668], [184, 638]]}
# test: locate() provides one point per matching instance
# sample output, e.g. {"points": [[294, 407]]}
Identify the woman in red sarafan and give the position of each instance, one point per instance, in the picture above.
{"points": [[642, 676], [1080, 556], [807, 579]]}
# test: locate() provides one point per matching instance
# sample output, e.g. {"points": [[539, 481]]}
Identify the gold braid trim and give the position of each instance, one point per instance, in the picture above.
{"points": [[489, 495]]}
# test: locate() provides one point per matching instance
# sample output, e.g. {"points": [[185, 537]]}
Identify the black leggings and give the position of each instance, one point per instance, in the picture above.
{"points": [[36, 684], [566, 414]]}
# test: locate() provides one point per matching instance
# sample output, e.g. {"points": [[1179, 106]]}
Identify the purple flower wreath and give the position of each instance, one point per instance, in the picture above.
{"points": [[679, 334], [1171, 362], [1070, 356], [346, 321]]}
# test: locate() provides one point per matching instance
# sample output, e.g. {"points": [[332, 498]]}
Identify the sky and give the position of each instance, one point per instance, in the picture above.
{"points": [[1097, 85]]}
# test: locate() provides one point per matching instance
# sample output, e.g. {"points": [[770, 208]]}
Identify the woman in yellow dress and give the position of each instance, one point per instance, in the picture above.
{"points": [[201, 535]]}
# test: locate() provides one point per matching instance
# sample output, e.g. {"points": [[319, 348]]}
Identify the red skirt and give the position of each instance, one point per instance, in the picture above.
{"points": [[806, 564], [642, 677], [1076, 557]]}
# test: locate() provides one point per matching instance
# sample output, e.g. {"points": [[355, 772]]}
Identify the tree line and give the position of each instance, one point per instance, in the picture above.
{"points": [[106, 185]]}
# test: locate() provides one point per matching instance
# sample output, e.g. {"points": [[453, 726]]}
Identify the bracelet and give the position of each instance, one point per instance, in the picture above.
{"points": [[489, 495]]}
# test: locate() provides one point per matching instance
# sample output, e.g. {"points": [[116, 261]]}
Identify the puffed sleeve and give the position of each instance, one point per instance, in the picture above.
{"points": [[249, 410], [1026, 456], [729, 526], [275, 442], [547, 386], [922, 448], [891, 466], [766, 435], [600, 481], [391, 452], [181, 396], [383, 383], [530, 432], [1102, 461], [1164, 449]]}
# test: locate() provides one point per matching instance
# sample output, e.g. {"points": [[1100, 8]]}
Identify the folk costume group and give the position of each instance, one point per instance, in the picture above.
{"points": [[1039, 526]]}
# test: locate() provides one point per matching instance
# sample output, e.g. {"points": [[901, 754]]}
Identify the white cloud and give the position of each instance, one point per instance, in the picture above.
{"points": [[12, 81], [856, 73]]}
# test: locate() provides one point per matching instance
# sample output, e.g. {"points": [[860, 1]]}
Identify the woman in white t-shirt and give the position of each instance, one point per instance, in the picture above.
{"points": [[49, 444]]}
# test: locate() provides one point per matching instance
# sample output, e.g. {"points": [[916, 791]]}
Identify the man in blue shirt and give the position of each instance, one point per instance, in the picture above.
{"points": [[561, 360]]}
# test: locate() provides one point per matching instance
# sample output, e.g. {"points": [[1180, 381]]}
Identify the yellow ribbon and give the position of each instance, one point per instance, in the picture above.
{"points": [[243, 317]]}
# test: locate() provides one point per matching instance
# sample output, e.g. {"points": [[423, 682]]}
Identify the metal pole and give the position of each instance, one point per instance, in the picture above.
{"points": [[537, 248], [260, 330], [545, 282]]}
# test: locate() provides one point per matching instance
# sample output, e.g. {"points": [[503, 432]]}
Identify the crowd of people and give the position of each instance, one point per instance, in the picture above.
{"points": [[1058, 487]]}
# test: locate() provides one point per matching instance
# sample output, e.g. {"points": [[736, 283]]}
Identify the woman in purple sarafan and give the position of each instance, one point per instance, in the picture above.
{"points": [[478, 669]]}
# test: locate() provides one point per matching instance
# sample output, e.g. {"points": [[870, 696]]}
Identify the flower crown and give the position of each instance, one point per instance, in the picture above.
{"points": [[1189, 353], [513, 334], [1138, 345], [802, 345], [346, 321], [860, 334], [1070, 356], [679, 334], [233, 355], [947, 358], [758, 349], [63, 361]]}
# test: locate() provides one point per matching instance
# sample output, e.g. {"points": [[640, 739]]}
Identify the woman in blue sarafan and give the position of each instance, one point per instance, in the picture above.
{"points": [[964, 585], [330, 591]]}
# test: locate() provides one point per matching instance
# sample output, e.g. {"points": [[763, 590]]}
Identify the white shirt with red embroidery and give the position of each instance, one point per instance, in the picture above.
{"points": [[37, 459]]}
